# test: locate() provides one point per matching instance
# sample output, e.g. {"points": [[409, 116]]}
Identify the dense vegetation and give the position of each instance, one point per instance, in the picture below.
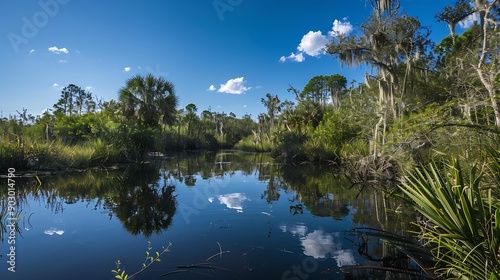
{"points": [[83, 131], [423, 103]]}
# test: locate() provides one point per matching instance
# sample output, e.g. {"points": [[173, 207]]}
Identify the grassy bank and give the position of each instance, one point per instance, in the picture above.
{"points": [[57, 155]]}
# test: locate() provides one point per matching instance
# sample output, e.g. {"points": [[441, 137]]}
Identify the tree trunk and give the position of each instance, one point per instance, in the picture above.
{"points": [[47, 132], [487, 79], [491, 92]]}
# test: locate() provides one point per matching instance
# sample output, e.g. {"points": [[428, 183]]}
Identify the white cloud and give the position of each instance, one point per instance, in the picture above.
{"points": [[127, 69], [299, 57], [313, 43], [234, 86], [469, 21], [211, 88], [32, 51], [88, 88], [56, 50], [55, 85], [62, 61], [341, 28]]}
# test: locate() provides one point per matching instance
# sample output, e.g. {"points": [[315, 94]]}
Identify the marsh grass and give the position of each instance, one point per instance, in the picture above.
{"points": [[59, 155], [461, 221], [11, 155], [250, 145]]}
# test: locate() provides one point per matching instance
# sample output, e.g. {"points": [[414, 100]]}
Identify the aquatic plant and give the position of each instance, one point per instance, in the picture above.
{"points": [[148, 261]]}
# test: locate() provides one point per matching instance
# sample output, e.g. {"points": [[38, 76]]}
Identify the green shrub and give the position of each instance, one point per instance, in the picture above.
{"points": [[462, 219]]}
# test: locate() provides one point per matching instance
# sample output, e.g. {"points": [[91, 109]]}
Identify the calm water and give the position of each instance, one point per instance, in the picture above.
{"points": [[271, 221]]}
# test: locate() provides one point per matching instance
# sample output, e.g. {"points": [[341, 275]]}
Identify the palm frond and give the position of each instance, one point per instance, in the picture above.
{"points": [[460, 220]]}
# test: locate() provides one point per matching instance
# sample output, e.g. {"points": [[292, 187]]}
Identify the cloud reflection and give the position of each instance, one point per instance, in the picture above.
{"points": [[299, 230], [344, 257], [53, 231], [233, 201], [320, 245], [317, 244]]}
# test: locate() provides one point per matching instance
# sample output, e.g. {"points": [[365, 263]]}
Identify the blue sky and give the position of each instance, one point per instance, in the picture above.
{"points": [[226, 54]]}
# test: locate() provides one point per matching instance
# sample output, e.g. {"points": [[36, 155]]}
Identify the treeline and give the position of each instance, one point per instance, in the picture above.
{"points": [[82, 130], [421, 101]]}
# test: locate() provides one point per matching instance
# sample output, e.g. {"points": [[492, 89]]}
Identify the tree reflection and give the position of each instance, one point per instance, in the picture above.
{"points": [[148, 210], [142, 196], [140, 203], [318, 190], [271, 193]]}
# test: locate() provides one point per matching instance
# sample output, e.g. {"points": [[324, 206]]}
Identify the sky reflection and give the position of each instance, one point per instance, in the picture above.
{"points": [[319, 244], [233, 201]]}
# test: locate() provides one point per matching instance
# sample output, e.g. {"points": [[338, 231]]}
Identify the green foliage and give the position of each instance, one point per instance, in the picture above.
{"points": [[321, 135], [150, 259], [319, 88], [461, 222], [449, 49], [291, 146], [335, 130], [355, 149], [142, 140], [149, 100], [11, 155], [74, 101], [78, 129], [250, 144]]}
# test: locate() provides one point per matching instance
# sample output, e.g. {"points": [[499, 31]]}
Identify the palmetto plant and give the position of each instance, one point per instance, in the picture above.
{"points": [[150, 99], [461, 219]]}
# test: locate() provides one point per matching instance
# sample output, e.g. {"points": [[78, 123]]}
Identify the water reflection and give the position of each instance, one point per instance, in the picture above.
{"points": [[143, 203], [53, 231], [147, 210], [320, 245], [233, 201], [142, 196], [145, 199]]}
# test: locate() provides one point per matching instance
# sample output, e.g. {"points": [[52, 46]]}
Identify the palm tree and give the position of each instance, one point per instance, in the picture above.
{"points": [[149, 99]]}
